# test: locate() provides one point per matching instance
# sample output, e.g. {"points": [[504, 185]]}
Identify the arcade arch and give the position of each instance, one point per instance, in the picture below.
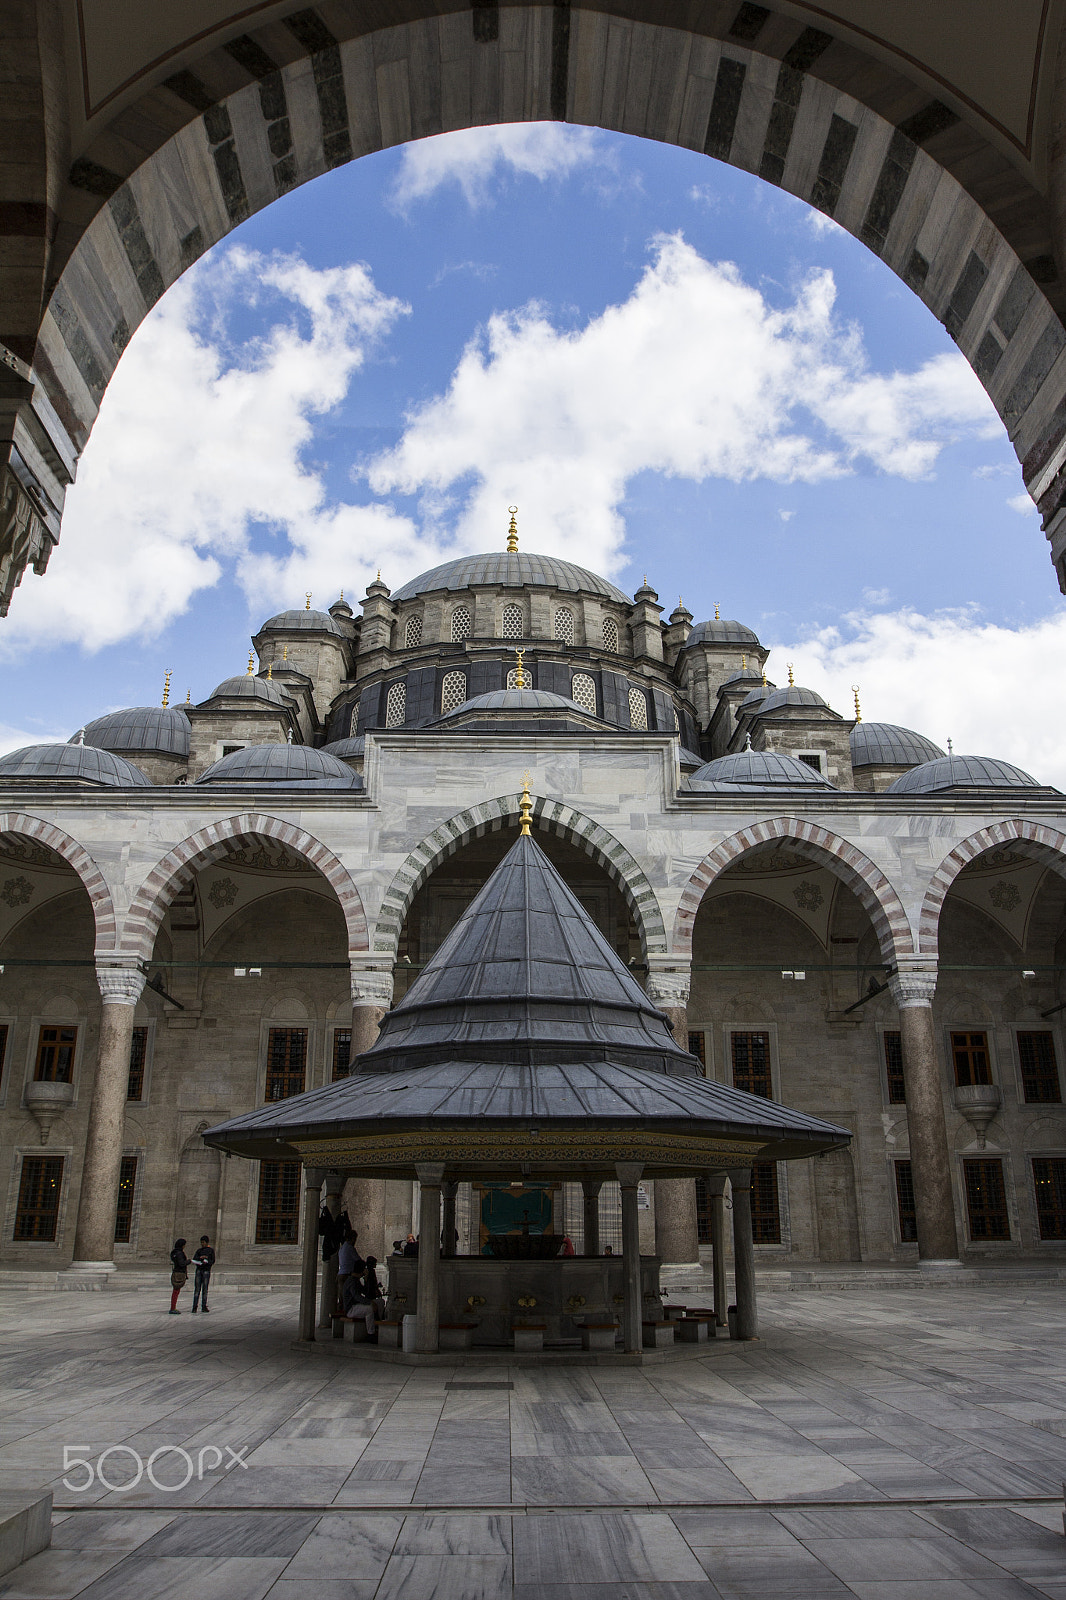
{"points": [[46, 837]]}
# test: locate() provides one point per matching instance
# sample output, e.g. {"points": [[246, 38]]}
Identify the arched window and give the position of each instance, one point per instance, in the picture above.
{"points": [[638, 709], [452, 691], [677, 723], [583, 692], [564, 625], [513, 622], [396, 706], [610, 634], [460, 624], [413, 635]]}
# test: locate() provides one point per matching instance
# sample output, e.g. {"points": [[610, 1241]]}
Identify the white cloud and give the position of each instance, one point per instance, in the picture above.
{"points": [[949, 676], [474, 158], [786, 516], [1023, 504], [12, 738]]}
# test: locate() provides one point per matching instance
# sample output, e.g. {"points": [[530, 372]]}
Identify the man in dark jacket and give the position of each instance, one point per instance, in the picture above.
{"points": [[205, 1260]]}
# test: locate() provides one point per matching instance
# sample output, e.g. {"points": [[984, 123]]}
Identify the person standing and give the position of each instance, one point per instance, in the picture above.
{"points": [[349, 1261], [204, 1258], [179, 1275]]}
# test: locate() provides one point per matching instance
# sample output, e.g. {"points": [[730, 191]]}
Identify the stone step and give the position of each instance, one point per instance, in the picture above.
{"points": [[25, 1527], [147, 1280]]}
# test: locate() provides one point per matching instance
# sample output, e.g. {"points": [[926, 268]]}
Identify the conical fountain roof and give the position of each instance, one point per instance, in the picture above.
{"points": [[525, 977]]}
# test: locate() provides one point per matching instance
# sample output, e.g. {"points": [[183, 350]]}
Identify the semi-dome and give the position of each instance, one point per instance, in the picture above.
{"points": [[757, 769], [515, 700], [791, 695], [510, 569], [301, 621], [247, 687], [351, 749], [160, 730], [296, 765], [721, 630], [962, 772], [882, 744], [73, 763]]}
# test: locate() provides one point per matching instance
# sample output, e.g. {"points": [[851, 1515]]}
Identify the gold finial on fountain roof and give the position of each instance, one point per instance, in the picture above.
{"points": [[512, 531], [717, 612], [525, 807], [166, 687]]}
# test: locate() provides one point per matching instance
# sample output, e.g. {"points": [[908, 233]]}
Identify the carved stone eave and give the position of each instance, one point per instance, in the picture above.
{"points": [[37, 462]]}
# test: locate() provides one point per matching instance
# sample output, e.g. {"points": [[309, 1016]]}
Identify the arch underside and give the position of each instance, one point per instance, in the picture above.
{"points": [[80, 861], [773, 104], [1034, 839]]}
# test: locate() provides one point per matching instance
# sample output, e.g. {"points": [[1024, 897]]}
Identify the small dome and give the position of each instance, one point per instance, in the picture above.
{"points": [[161, 730], [247, 688], [66, 763], [882, 744], [748, 675], [793, 695], [297, 621], [961, 772], [296, 765], [720, 630], [516, 700], [690, 761], [352, 749], [756, 697], [758, 769], [510, 569]]}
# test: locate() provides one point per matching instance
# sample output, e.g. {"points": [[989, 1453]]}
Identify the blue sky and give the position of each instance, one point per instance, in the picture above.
{"points": [[672, 368]]}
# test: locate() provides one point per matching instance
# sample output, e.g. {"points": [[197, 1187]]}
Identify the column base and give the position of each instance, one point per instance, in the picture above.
{"points": [[682, 1266], [949, 1264], [91, 1266]]}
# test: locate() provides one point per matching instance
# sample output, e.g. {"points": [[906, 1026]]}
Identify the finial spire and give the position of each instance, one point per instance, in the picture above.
{"points": [[951, 748], [188, 697], [520, 671], [342, 596], [764, 682], [270, 671], [743, 663], [747, 741], [717, 612], [251, 662], [307, 599], [855, 693], [525, 807], [284, 654], [791, 677], [288, 737], [166, 687], [512, 531]]}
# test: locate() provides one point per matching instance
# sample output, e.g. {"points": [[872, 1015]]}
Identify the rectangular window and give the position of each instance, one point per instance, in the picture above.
{"points": [[55, 1055], [1040, 1073], [286, 1062], [138, 1055], [40, 1186], [765, 1210], [1049, 1184], [697, 1046], [969, 1053], [751, 1063], [703, 1211], [278, 1213], [908, 1222], [342, 1052], [127, 1184], [897, 1093], [986, 1200]]}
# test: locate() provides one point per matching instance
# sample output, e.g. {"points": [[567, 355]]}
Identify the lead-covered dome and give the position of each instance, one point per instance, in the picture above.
{"points": [[757, 769], [297, 621], [515, 700], [962, 772], [156, 730], [721, 630], [247, 688], [882, 744], [791, 695], [296, 765], [351, 749], [510, 569], [73, 763]]}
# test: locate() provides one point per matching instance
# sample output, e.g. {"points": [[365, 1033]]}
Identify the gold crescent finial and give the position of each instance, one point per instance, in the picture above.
{"points": [[855, 692], [188, 697], [270, 670], [284, 654], [251, 662], [379, 575], [717, 612], [743, 663], [512, 531], [791, 679], [520, 672], [342, 596], [166, 687], [764, 682], [525, 807]]}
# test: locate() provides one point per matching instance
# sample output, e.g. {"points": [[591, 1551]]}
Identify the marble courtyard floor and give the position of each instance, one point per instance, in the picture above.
{"points": [[901, 1445]]}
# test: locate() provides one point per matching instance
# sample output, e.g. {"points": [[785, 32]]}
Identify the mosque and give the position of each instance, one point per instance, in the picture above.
{"points": [[209, 908]]}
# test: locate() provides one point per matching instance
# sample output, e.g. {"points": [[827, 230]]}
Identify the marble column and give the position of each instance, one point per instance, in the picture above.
{"points": [[590, 1190], [371, 999], [328, 1300], [313, 1177], [716, 1194], [430, 1174], [629, 1177], [934, 1201], [449, 1191], [744, 1254], [676, 1234], [94, 1235]]}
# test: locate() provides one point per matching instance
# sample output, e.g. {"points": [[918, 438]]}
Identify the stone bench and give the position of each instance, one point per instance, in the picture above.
{"points": [[598, 1335], [25, 1526], [695, 1330], [528, 1335], [455, 1335], [658, 1335], [354, 1331], [389, 1335], [674, 1313]]}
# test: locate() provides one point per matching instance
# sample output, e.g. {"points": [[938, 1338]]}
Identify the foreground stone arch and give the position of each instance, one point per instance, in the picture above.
{"points": [[861, 875], [178, 866], [1035, 839], [201, 139], [77, 857], [553, 817]]}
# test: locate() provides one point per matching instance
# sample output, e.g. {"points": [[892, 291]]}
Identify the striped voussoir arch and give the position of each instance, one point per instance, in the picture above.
{"points": [[77, 857], [1035, 839], [551, 816], [866, 880], [178, 866]]}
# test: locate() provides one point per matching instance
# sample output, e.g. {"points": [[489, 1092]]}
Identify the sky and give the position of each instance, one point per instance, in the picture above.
{"points": [[671, 367]]}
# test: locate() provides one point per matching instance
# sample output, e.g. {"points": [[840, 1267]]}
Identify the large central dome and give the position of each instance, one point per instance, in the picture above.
{"points": [[510, 569]]}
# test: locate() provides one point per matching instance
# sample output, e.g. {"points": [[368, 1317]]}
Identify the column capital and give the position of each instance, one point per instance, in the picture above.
{"points": [[120, 984], [668, 980], [913, 985], [739, 1177], [371, 984], [716, 1182], [430, 1173], [314, 1178], [335, 1181], [590, 1187], [629, 1173]]}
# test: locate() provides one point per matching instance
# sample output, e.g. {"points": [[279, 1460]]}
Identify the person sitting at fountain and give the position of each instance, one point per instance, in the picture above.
{"points": [[363, 1299]]}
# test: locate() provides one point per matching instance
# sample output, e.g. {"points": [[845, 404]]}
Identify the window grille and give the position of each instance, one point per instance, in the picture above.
{"points": [[1040, 1073], [286, 1062], [897, 1092], [765, 1203], [908, 1221], [413, 632], [564, 625], [704, 1207], [1049, 1184], [512, 678], [969, 1053], [638, 709], [342, 1052], [513, 622], [127, 1185], [810, 758], [697, 1046], [40, 1185], [55, 1055], [583, 692], [751, 1063], [610, 634], [986, 1200], [461, 625], [452, 691], [138, 1056], [677, 723], [610, 1214], [396, 706], [277, 1215]]}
